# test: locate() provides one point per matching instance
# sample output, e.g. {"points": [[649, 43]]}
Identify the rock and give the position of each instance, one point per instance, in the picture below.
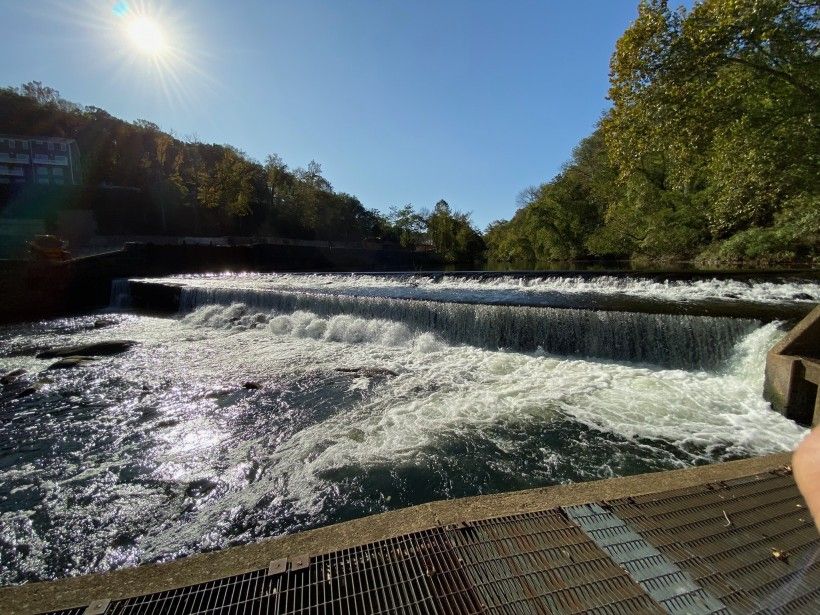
{"points": [[69, 362], [252, 386], [29, 390], [802, 297], [218, 393], [24, 351], [369, 372], [355, 434], [10, 377], [104, 322], [97, 349], [199, 488]]}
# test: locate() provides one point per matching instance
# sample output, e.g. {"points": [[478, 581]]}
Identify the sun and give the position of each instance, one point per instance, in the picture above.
{"points": [[146, 35]]}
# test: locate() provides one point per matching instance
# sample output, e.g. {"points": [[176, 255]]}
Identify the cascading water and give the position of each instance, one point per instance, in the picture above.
{"points": [[120, 294], [364, 399], [668, 340]]}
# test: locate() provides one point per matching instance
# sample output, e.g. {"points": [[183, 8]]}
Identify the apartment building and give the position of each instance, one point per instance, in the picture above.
{"points": [[50, 161]]}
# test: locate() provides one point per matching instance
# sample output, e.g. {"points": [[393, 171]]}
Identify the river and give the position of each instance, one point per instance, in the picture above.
{"points": [[276, 403]]}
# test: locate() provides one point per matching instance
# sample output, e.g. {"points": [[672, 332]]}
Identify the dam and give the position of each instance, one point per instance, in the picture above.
{"points": [[255, 406]]}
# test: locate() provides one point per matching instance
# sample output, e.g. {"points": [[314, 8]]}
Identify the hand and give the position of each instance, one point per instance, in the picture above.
{"points": [[806, 467]]}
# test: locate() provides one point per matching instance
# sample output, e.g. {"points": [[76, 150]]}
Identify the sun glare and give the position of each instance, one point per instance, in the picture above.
{"points": [[146, 35]]}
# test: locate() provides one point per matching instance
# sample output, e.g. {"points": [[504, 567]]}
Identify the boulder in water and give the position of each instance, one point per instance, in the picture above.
{"points": [[69, 362], [252, 386], [356, 434], [96, 349], [218, 393], [802, 297], [29, 390], [104, 322], [12, 376], [199, 488]]}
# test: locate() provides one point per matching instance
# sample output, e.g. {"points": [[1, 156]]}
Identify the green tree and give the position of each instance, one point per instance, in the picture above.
{"points": [[722, 101], [408, 225], [453, 235]]}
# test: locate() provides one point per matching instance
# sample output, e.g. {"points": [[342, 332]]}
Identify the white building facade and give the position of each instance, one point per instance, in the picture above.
{"points": [[49, 161]]}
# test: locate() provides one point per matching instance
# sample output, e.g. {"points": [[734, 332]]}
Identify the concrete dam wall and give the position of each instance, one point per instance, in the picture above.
{"points": [[32, 290]]}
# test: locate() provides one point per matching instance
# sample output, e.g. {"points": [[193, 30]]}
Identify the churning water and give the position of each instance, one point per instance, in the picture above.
{"points": [[374, 392]]}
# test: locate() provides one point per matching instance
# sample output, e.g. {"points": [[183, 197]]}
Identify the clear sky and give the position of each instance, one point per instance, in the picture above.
{"points": [[400, 101]]}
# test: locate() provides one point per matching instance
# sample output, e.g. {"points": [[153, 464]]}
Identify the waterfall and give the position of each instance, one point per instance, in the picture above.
{"points": [[120, 293], [676, 341]]}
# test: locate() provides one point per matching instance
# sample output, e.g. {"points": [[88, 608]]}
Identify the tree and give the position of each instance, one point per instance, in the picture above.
{"points": [[312, 176], [185, 186], [556, 219], [453, 235], [409, 226], [40, 93], [723, 99]]}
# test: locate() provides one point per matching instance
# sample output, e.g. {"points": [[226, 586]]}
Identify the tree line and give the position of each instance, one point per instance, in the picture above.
{"points": [[709, 151], [194, 188]]}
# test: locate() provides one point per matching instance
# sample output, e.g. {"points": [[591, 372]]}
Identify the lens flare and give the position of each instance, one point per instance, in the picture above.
{"points": [[146, 35]]}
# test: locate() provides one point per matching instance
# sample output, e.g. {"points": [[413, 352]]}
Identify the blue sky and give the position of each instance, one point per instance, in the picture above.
{"points": [[401, 102]]}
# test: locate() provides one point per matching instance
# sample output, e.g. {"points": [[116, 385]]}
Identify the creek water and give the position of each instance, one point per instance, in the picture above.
{"points": [[368, 393]]}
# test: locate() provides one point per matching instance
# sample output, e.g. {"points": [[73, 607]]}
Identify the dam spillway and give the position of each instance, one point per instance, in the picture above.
{"points": [[266, 405], [622, 319]]}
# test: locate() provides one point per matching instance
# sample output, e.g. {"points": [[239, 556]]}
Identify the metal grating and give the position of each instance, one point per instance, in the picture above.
{"points": [[671, 587], [750, 542], [416, 573], [543, 563], [748, 545]]}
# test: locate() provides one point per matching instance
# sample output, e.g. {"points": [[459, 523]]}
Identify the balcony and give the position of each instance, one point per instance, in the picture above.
{"points": [[53, 160], [12, 171], [15, 158]]}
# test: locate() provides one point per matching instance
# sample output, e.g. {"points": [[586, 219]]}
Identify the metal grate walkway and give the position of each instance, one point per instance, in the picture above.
{"points": [[740, 546]]}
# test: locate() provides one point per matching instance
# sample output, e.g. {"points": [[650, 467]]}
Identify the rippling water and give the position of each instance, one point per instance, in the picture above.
{"points": [[161, 451]]}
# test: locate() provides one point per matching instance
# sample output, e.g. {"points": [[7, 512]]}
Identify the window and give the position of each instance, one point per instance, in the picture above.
{"points": [[57, 172], [62, 146], [42, 171]]}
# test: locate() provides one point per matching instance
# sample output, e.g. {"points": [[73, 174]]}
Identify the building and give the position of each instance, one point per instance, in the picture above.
{"points": [[49, 161]]}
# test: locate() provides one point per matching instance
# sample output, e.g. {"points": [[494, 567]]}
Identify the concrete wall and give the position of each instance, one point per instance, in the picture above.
{"points": [[34, 290], [791, 384]]}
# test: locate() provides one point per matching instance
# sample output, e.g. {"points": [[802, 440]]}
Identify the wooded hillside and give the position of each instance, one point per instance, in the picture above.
{"points": [[185, 187], [710, 150]]}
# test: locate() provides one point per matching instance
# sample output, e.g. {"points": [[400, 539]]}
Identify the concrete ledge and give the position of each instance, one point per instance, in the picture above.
{"points": [[793, 372], [41, 597], [157, 295]]}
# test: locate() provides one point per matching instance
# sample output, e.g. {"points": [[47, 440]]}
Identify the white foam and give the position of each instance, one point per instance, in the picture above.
{"points": [[510, 287], [443, 391]]}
